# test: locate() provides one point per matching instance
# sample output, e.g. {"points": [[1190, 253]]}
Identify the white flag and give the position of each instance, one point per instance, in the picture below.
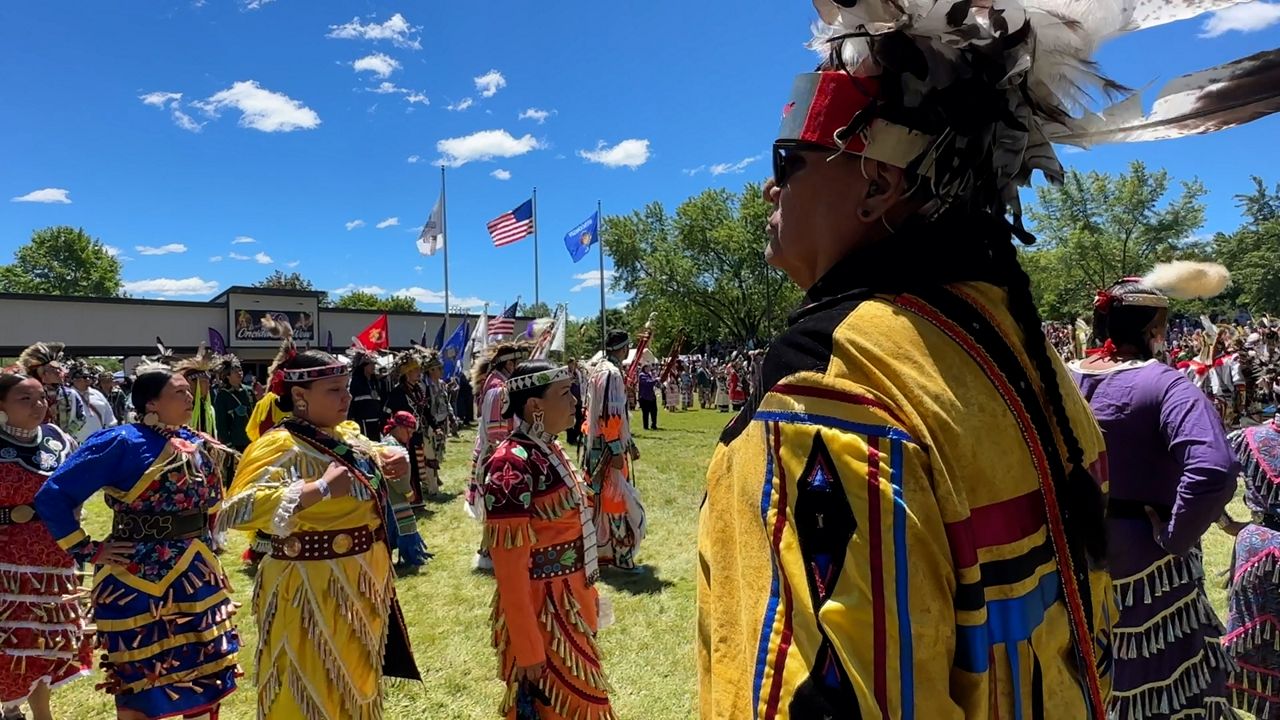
{"points": [[479, 339], [432, 236], [557, 335]]}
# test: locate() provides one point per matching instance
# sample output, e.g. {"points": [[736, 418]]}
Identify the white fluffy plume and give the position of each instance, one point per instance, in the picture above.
{"points": [[1187, 280]]}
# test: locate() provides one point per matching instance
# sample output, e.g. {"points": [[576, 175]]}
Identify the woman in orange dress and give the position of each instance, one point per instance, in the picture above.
{"points": [[540, 533]]}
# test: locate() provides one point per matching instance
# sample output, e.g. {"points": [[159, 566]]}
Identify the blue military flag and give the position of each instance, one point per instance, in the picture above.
{"points": [[580, 239], [451, 353], [439, 343]]}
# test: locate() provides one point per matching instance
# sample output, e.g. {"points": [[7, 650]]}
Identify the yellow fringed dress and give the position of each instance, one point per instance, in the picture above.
{"points": [[322, 624]]}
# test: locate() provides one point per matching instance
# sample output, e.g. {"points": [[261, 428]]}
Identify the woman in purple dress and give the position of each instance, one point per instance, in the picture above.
{"points": [[1171, 474], [1253, 624]]}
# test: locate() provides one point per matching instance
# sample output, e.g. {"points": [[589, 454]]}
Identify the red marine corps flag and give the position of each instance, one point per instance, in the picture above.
{"points": [[375, 337]]}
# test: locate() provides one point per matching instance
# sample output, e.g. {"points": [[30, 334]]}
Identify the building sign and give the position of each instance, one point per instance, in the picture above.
{"points": [[250, 325]]}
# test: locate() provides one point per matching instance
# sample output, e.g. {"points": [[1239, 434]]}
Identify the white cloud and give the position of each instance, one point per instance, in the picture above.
{"points": [[352, 287], [538, 116], [171, 288], [435, 297], [629, 153], [389, 222], [590, 279], [461, 105], [413, 159], [395, 28], [733, 168], [417, 97], [169, 249], [484, 145], [255, 4], [355, 224], [185, 121], [160, 99], [386, 88], [293, 263], [243, 240], [238, 256], [417, 268], [111, 250], [501, 174], [215, 258], [490, 83], [261, 109], [46, 195], [1246, 18], [694, 171], [262, 258], [379, 64]]}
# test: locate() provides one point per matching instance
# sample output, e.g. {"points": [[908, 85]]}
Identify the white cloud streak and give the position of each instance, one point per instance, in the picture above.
{"points": [[395, 29], [536, 115], [243, 240], [57, 196], [389, 222], [461, 105], [262, 258], [733, 168], [484, 145], [435, 297], [380, 64], [167, 287], [238, 256], [629, 153], [501, 174], [352, 225], [591, 279], [490, 83], [169, 249], [261, 109], [1244, 18]]}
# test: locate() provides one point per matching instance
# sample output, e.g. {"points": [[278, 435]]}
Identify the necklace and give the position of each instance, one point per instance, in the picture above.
{"points": [[18, 433]]}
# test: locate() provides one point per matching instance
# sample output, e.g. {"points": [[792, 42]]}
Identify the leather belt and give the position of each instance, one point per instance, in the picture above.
{"points": [[1136, 509], [1267, 520], [141, 526], [326, 544], [16, 514], [553, 561]]}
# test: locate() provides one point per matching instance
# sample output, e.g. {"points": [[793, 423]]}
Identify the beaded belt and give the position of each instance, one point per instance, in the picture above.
{"points": [[16, 514], [326, 544], [1267, 520], [140, 526], [554, 561]]}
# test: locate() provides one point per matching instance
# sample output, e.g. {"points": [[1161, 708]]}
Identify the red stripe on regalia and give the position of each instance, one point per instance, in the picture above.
{"points": [[1001, 523], [784, 641], [878, 634], [837, 395]]}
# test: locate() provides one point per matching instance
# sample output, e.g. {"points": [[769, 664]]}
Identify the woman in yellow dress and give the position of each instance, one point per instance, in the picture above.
{"points": [[324, 597]]}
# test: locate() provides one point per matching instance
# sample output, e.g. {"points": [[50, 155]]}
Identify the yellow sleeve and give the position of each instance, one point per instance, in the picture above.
{"points": [[267, 487]]}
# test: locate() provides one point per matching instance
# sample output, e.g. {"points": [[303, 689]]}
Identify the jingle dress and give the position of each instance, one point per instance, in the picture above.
{"points": [[164, 620], [1166, 449], [540, 534], [620, 518], [42, 624], [1253, 627], [325, 624]]}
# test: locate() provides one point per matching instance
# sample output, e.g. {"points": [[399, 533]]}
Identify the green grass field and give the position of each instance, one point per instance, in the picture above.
{"points": [[649, 652]]}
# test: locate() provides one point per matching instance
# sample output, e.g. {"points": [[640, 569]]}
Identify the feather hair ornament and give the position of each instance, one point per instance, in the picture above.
{"points": [[1187, 280], [989, 85]]}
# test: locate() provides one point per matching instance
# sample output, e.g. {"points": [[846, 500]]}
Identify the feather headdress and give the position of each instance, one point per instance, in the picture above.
{"points": [[970, 94], [497, 354], [1187, 280], [203, 361], [41, 354]]}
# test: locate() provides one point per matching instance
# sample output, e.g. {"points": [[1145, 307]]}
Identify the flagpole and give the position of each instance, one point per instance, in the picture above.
{"points": [[444, 229], [600, 233], [536, 295]]}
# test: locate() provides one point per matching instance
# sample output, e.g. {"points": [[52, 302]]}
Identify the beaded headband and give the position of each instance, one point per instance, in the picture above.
{"points": [[301, 375], [519, 354], [539, 379]]}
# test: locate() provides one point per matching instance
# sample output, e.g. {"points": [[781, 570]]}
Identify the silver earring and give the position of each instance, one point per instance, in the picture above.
{"points": [[151, 419], [300, 406], [538, 427]]}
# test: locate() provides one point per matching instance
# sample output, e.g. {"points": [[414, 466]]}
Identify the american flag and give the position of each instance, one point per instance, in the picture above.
{"points": [[512, 226], [504, 324]]}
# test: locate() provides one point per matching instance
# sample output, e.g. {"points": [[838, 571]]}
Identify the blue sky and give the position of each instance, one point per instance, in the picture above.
{"points": [[281, 139]]}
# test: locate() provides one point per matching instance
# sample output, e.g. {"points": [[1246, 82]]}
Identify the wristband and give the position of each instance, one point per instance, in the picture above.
{"points": [[325, 493]]}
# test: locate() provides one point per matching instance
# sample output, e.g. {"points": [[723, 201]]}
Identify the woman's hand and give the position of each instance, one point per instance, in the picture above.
{"points": [[394, 465], [339, 479], [114, 552]]}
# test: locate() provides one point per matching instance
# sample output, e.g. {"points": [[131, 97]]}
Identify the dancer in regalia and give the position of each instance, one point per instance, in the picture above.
{"points": [[1171, 473], [620, 519], [399, 432], [366, 400], [43, 641], [1253, 625], [161, 602], [488, 379], [540, 533], [45, 362], [329, 625], [439, 417], [410, 395]]}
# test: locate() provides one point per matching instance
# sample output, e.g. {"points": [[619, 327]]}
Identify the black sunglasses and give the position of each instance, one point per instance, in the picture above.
{"points": [[788, 160]]}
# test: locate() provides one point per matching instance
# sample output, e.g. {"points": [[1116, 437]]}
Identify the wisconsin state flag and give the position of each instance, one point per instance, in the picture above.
{"points": [[375, 337]]}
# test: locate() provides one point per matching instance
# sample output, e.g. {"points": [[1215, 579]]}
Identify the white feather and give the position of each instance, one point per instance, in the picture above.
{"points": [[1187, 280]]}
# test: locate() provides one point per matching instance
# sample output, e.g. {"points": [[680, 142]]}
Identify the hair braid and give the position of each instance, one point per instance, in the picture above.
{"points": [[1081, 502]]}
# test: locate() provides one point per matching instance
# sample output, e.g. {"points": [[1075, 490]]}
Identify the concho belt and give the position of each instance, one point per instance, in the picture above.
{"points": [[16, 514], [326, 544], [553, 561], [144, 527]]}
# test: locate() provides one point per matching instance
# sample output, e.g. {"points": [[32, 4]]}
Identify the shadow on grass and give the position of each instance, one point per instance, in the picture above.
{"points": [[645, 582]]}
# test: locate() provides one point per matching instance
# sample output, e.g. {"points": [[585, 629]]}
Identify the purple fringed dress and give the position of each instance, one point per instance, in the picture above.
{"points": [[1253, 629], [1166, 449]]}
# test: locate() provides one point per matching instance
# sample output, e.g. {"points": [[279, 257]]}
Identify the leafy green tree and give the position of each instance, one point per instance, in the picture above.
{"points": [[701, 269], [63, 260], [361, 300], [1096, 228], [1252, 252], [534, 310], [278, 280]]}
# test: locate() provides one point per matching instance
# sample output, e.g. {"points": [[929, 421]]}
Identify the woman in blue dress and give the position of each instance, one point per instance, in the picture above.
{"points": [[160, 599]]}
